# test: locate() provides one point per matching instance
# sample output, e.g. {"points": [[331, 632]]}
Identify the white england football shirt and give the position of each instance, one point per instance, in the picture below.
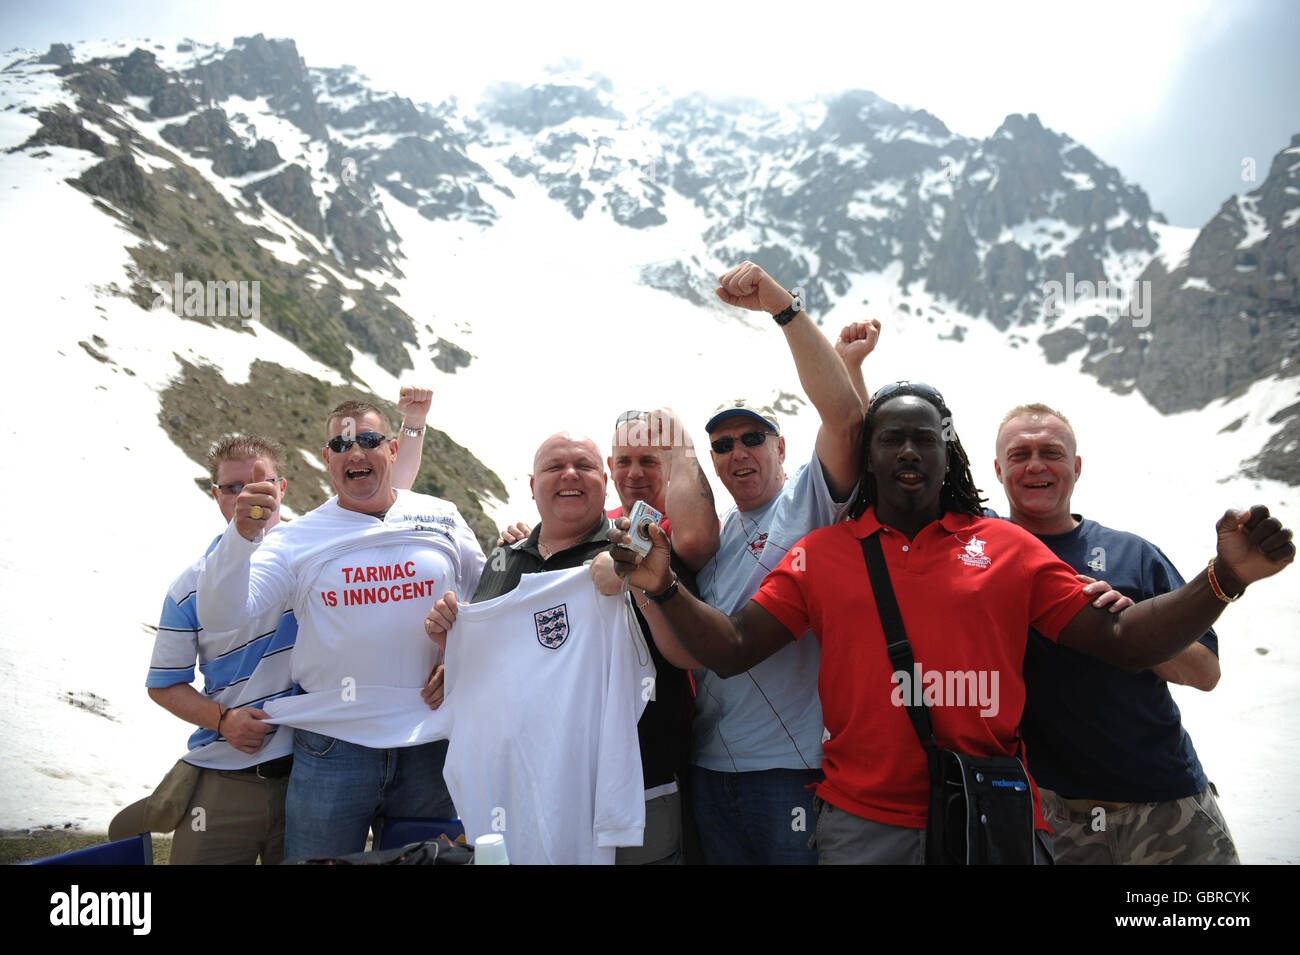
{"points": [[545, 685]]}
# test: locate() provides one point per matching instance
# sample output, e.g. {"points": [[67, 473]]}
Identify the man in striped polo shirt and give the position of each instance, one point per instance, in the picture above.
{"points": [[226, 796]]}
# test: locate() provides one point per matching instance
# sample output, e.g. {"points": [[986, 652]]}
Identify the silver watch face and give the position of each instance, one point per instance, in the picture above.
{"points": [[797, 304]]}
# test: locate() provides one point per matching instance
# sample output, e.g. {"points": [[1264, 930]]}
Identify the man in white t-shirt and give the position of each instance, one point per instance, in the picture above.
{"points": [[359, 571]]}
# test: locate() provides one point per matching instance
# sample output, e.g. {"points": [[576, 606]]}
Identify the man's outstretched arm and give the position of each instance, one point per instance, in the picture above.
{"points": [[414, 404], [229, 593], [726, 645], [822, 374], [1252, 546], [855, 343]]}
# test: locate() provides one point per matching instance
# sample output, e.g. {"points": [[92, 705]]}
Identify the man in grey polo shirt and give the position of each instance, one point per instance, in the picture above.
{"points": [[757, 736]]}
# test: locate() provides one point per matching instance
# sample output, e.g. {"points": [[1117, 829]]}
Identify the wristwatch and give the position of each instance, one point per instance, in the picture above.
{"points": [[667, 595], [796, 306]]}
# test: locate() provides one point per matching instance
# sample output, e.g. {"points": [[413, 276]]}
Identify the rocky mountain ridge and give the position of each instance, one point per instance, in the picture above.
{"points": [[246, 163]]}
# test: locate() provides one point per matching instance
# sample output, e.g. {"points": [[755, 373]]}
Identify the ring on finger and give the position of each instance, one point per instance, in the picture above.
{"points": [[256, 512]]}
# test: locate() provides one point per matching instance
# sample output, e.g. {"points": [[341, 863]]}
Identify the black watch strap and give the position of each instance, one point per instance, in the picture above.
{"points": [[667, 595], [794, 308]]}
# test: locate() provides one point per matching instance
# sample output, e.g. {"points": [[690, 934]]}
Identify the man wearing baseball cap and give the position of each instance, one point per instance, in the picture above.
{"points": [[757, 738]]}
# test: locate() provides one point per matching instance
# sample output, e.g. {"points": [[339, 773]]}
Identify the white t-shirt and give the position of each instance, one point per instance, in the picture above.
{"points": [[360, 588], [545, 685]]}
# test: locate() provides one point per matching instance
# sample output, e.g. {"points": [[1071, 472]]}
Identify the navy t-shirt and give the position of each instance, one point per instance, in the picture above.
{"points": [[1091, 729]]}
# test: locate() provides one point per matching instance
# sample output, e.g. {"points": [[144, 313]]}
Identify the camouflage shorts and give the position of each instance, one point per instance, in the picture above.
{"points": [[1187, 831]]}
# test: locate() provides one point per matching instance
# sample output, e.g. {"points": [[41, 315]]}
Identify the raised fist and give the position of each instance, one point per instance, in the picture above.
{"points": [[1252, 546], [748, 286], [857, 341], [414, 404]]}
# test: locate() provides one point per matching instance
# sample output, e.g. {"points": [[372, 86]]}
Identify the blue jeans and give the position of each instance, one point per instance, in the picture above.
{"points": [[338, 790], [755, 818]]}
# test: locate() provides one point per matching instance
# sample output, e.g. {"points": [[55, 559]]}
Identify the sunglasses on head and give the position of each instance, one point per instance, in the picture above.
{"points": [[236, 488], [750, 439], [911, 387], [627, 417], [367, 439]]}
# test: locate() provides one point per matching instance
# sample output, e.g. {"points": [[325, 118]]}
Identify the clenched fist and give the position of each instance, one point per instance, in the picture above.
{"points": [[414, 404], [256, 504], [748, 286], [857, 341], [1252, 546]]}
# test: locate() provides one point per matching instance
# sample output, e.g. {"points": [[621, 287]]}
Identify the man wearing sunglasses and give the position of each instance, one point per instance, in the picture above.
{"points": [[757, 738], [359, 572], [225, 798]]}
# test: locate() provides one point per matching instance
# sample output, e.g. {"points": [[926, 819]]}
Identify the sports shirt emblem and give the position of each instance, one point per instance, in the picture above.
{"points": [[552, 626], [972, 553]]}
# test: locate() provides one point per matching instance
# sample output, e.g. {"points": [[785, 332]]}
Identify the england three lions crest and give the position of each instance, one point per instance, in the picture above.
{"points": [[552, 627]]}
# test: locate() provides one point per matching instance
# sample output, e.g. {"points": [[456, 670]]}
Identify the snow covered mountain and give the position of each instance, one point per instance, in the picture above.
{"points": [[546, 259]]}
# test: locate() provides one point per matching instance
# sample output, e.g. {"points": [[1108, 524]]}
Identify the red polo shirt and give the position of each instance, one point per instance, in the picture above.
{"points": [[969, 589]]}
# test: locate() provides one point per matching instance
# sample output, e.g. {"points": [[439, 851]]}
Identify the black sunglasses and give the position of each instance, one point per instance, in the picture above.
{"points": [[750, 439], [367, 439], [627, 417], [237, 488], [912, 387]]}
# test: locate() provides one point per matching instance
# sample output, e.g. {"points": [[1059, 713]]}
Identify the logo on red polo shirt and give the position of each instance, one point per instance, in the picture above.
{"points": [[972, 552]]}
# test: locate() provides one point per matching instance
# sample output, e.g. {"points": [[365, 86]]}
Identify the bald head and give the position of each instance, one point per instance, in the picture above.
{"points": [[568, 484]]}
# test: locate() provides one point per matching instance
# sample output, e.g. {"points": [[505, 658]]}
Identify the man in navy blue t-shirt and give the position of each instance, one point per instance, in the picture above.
{"points": [[1119, 777]]}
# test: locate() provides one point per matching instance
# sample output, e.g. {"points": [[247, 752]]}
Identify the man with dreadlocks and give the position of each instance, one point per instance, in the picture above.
{"points": [[968, 587]]}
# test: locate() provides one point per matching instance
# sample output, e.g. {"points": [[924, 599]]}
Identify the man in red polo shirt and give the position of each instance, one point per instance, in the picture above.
{"points": [[969, 588]]}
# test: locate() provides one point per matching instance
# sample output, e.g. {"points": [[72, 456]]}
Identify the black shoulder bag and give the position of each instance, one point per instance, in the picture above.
{"points": [[981, 807]]}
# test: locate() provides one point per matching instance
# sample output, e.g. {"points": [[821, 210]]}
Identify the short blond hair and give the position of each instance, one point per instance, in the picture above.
{"points": [[246, 447], [1037, 408]]}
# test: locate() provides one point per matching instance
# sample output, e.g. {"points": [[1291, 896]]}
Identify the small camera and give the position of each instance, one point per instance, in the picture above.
{"points": [[642, 516]]}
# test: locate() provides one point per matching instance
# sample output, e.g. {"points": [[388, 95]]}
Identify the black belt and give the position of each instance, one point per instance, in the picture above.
{"points": [[271, 769]]}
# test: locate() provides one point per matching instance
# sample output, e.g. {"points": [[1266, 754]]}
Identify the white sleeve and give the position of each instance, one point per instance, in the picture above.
{"points": [[471, 560], [620, 785], [242, 579]]}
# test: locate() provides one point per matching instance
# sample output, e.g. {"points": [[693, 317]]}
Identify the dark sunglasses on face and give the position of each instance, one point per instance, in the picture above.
{"points": [[367, 439], [236, 488], [750, 439], [913, 387]]}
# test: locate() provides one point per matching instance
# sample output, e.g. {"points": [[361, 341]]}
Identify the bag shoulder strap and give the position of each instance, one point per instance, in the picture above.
{"points": [[896, 642]]}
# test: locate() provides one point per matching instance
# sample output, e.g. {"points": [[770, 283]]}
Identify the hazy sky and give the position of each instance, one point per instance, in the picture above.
{"points": [[1176, 95]]}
